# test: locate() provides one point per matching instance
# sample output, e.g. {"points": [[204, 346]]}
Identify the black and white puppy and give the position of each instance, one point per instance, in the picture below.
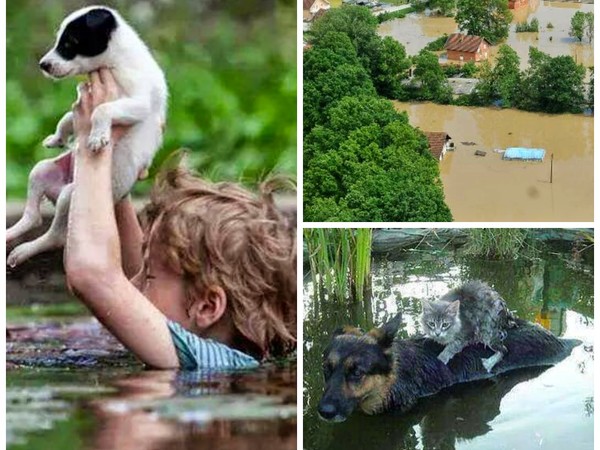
{"points": [[89, 39]]}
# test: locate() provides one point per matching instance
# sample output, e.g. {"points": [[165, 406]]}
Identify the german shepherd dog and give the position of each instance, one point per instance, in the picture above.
{"points": [[375, 372]]}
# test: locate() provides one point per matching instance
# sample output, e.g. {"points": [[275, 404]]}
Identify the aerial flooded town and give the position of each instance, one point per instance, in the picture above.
{"points": [[521, 84]]}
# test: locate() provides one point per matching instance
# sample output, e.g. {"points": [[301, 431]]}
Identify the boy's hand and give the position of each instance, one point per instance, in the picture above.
{"points": [[101, 88]]}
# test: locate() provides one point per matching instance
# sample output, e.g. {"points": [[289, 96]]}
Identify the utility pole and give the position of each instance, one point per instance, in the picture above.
{"points": [[551, 166]]}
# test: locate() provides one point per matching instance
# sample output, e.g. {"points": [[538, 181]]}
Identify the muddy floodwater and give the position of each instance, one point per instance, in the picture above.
{"points": [[71, 386], [550, 408], [487, 188], [416, 30]]}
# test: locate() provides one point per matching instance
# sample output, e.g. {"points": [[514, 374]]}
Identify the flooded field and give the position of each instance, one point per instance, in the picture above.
{"points": [[550, 409], [70, 386], [416, 30], [490, 189]]}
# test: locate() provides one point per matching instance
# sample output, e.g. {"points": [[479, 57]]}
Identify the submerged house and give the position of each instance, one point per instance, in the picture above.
{"points": [[464, 47], [313, 8], [439, 143], [516, 4]]}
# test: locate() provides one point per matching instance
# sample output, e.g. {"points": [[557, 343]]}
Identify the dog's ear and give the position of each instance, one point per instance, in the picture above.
{"points": [[98, 18], [347, 330], [385, 334]]}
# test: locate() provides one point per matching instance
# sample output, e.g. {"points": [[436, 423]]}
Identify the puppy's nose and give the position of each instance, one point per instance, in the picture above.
{"points": [[327, 410], [45, 66]]}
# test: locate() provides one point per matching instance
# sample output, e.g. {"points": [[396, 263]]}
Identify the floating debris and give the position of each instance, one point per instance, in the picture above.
{"points": [[480, 153]]}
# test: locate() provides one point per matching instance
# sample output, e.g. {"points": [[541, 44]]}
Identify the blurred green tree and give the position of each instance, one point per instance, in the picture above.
{"points": [[232, 84]]}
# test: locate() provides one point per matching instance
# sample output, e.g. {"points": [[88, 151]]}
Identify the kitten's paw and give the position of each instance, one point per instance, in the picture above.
{"points": [[53, 141], [488, 363], [98, 140], [443, 358]]}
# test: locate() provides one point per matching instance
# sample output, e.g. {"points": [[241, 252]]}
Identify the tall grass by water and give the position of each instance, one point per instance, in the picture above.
{"points": [[497, 243], [340, 261]]}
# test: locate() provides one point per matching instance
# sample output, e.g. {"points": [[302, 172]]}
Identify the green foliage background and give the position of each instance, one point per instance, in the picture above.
{"points": [[231, 70]]}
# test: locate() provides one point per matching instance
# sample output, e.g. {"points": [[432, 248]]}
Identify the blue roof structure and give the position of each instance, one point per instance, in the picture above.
{"points": [[525, 154]]}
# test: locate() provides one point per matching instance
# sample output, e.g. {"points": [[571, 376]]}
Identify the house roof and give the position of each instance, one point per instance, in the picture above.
{"points": [[464, 43], [437, 140]]}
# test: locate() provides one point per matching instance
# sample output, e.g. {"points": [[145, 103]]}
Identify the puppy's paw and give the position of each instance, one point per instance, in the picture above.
{"points": [[54, 141], [98, 140], [19, 255]]}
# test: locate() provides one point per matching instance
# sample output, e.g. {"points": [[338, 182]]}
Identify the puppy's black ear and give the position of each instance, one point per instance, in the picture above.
{"points": [[100, 18], [385, 334]]}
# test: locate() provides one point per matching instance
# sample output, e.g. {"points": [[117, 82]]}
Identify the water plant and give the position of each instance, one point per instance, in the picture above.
{"points": [[531, 27], [498, 243], [340, 261]]}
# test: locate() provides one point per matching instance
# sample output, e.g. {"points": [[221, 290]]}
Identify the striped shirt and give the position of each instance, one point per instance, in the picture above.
{"points": [[196, 353]]}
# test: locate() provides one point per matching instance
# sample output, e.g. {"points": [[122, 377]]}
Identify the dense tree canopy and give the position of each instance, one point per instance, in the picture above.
{"points": [[384, 59], [366, 163], [363, 161], [554, 85], [487, 18], [430, 80], [503, 82], [582, 26]]}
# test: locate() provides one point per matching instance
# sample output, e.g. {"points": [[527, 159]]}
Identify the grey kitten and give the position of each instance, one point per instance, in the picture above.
{"points": [[470, 314]]}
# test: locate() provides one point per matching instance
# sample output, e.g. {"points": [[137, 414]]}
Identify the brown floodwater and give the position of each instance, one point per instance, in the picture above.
{"points": [[416, 30], [490, 189]]}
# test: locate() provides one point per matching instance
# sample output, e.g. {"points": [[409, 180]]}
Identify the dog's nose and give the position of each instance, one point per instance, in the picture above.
{"points": [[327, 411], [45, 66]]}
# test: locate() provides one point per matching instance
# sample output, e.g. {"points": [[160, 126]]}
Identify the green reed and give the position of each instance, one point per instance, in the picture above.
{"points": [[498, 243], [340, 261]]}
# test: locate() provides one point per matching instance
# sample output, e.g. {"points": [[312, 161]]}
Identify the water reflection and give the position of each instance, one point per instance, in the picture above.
{"points": [[107, 401], [511, 411]]}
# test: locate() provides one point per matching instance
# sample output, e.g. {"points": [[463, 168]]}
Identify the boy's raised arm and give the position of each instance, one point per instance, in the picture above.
{"points": [[93, 255]]}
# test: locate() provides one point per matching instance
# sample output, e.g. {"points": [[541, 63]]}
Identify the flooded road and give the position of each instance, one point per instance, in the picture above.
{"points": [[71, 386], [416, 30], [490, 189], [550, 409]]}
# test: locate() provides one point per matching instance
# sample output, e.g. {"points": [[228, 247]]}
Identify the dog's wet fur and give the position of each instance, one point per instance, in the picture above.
{"points": [[374, 371]]}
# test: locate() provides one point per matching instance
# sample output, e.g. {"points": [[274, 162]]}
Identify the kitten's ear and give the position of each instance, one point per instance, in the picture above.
{"points": [[453, 307], [385, 334], [426, 304]]}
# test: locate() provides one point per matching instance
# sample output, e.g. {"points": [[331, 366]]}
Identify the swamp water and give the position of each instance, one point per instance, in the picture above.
{"points": [[490, 189], [536, 408], [70, 385]]}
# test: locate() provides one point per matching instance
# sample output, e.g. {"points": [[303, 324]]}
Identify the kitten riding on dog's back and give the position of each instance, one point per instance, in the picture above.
{"points": [[90, 39], [471, 314], [375, 371]]}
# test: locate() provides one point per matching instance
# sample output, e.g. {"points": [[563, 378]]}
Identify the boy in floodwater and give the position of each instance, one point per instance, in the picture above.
{"points": [[210, 279]]}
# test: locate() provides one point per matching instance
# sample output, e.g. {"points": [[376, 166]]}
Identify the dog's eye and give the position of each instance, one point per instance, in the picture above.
{"points": [[356, 374]]}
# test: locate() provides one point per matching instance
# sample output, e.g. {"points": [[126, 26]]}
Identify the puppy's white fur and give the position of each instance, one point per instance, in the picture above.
{"points": [[143, 107]]}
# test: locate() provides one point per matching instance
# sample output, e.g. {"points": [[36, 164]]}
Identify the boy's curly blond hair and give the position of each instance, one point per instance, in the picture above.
{"points": [[222, 234]]}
